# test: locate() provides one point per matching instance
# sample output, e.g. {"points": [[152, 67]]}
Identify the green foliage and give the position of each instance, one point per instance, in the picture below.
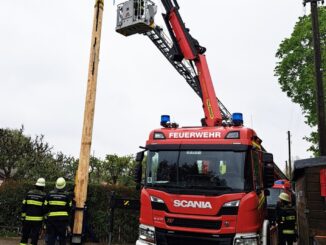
{"points": [[126, 222], [14, 149], [24, 157], [11, 197], [119, 169], [295, 69]]}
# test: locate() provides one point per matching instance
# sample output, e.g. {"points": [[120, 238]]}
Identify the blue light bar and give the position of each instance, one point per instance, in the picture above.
{"points": [[237, 119], [279, 182], [165, 119]]}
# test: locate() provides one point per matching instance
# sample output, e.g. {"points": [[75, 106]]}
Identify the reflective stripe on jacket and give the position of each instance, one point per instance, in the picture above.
{"points": [[286, 218], [58, 205], [33, 206]]}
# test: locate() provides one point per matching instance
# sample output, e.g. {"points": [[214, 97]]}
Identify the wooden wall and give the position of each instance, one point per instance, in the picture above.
{"points": [[311, 206]]}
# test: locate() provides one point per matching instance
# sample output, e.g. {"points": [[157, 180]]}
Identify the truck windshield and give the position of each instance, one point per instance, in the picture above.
{"points": [[196, 169], [272, 199]]}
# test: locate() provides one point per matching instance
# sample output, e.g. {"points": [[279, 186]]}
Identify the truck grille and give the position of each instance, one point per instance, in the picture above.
{"points": [[194, 223], [164, 237]]}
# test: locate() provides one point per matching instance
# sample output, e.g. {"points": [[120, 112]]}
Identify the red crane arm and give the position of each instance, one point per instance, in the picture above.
{"points": [[183, 38], [185, 46], [211, 108]]}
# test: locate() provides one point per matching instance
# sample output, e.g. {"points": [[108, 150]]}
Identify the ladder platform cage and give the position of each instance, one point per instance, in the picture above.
{"points": [[135, 17]]}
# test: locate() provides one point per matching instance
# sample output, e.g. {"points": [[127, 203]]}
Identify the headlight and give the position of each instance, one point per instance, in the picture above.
{"points": [[246, 239], [156, 199], [147, 233], [232, 204]]}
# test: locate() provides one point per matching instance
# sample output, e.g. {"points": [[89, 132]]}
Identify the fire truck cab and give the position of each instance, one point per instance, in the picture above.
{"points": [[204, 185]]}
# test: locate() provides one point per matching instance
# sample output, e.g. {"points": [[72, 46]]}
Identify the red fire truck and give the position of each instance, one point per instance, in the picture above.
{"points": [[282, 185], [204, 184]]}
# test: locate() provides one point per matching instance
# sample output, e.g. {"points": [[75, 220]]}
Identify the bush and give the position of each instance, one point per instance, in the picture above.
{"points": [[97, 216]]}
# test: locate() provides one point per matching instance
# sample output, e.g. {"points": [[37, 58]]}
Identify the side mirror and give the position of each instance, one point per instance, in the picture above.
{"points": [[138, 175], [268, 170], [140, 156], [268, 175], [268, 157], [138, 169]]}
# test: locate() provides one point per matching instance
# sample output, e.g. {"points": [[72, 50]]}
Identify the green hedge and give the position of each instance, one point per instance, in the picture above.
{"points": [[126, 221]]}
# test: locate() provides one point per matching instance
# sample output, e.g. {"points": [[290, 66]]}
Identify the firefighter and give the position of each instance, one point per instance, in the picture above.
{"points": [[58, 207], [286, 220], [32, 213]]}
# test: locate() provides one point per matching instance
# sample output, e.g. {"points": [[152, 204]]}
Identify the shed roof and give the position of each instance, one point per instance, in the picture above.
{"points": [[300, 165]]}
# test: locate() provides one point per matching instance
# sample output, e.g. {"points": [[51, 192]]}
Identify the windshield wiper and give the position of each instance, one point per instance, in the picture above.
{"points": [[209, 187], [166, 186]]}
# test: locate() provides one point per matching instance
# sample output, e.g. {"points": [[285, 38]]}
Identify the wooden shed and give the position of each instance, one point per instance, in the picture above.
{"points": [[311, 205]]}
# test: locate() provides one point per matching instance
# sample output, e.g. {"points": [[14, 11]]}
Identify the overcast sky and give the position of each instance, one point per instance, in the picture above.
{"points": [[44, 56]]}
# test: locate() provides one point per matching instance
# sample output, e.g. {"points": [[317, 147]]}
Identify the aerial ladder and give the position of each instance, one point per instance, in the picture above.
{"points": [[182, 51], [187, 56]]}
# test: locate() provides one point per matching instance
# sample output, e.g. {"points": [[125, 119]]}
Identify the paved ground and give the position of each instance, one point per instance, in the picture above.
{"points": [[15, 241]]}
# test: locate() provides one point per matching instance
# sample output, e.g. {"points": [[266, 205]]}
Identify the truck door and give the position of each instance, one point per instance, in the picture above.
{"points": [[258, 182]]}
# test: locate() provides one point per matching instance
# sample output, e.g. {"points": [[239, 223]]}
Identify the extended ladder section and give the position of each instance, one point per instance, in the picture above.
{"points": [[184, 68], [137, 17]]}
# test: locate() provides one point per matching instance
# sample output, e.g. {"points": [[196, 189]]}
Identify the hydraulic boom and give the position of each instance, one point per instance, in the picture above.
{"points": [[185, 53]]}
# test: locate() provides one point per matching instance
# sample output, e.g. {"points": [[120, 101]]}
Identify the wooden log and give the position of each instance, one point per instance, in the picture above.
{"points": [[81, 179]]}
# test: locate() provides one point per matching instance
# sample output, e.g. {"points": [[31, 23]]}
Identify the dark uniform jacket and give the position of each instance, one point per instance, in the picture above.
{"points": [[58, 206], [286, 219], [33, 206]]}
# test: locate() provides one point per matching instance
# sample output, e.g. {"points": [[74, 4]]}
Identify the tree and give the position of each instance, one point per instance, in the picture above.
{"points": [[39, 162], [67, 164], [24, 157], [119, 169], [97, 170], [295, 69], [14, 148]]}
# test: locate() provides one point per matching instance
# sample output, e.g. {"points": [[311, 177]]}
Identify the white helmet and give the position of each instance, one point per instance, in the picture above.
{"points": [[285, 197], [60, 183], [40, 182]]}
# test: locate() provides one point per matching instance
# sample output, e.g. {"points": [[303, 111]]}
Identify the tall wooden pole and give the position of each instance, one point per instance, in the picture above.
{"points": [[320, 95], [319, 80], [289, 148], [81, 180]]}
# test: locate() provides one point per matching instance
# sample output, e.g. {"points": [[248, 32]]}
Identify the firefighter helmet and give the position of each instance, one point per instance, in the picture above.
{"points": [[284, 197], [40, 182], [60, 183]]}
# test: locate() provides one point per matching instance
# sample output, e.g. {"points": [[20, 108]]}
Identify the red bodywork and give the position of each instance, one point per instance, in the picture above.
{"points": [[185, 43], [248, 219], [251, 211], [282, 184]]}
